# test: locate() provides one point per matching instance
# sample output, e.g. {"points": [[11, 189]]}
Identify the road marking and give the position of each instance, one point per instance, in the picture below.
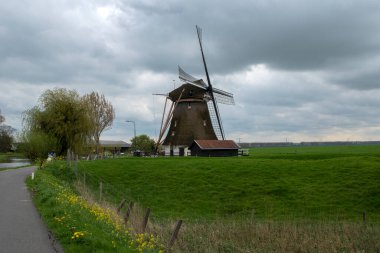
{"points": [[25, 200]]}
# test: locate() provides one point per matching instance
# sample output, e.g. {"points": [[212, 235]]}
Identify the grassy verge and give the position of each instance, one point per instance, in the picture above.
{"points": [[82, 226]]}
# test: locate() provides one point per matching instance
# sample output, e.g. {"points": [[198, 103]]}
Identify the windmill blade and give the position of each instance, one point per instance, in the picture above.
{"points": [[190, 79], [199, 32], [165, 126], [215, 121], [218, 119], [223, 97], [185, 76]]}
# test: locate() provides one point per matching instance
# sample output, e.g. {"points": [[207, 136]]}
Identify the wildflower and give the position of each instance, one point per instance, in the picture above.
{"points": [[77, 235], [59, 219]]}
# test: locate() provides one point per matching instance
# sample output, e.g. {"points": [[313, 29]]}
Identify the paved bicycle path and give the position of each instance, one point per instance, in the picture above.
{"points": [[21, 228]]}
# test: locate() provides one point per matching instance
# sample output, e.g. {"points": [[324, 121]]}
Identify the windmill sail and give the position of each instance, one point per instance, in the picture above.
{"points": [[214, 120], [185, 76], [223, 97], [219, 121], [190, 79]]}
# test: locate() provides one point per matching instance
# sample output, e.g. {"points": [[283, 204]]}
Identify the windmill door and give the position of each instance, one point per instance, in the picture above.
{"points": [[181, 151]]}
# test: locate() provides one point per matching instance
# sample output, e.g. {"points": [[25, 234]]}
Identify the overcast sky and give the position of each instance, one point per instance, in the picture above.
{"points": [[299, 70]]}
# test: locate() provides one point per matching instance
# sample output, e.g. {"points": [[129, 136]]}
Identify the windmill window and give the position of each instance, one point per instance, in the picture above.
{"points": [[175, 123], [204, 123], [191, 93], [173, 133], [189, 105]]}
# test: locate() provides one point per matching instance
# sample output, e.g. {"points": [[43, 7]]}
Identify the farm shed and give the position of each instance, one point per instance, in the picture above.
{"points": [[115, 146], [214, 148]]}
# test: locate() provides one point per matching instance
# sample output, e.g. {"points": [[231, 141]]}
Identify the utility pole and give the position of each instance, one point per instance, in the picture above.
{"points": [[134, 129]]}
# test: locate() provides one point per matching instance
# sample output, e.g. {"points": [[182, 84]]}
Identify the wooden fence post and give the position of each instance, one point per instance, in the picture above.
{"points": [[121, 205], [128, 212], [100, 191], [71, 157], [174, 235], [145, 221], [68, 158], [75, 164], [364, 216]]}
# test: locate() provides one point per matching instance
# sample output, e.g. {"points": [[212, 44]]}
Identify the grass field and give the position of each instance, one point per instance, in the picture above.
{"points": [[294, 183], [308, 199]]}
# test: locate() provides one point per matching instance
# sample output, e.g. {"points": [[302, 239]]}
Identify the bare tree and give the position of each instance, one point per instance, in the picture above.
{"points": [[102, 115]]}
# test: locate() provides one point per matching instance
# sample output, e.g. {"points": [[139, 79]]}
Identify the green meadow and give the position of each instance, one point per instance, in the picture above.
{"points": [[294, 199], [330, 183]]}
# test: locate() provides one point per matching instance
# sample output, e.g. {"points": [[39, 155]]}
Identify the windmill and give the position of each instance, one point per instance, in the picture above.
{"points": [[193, 113]]}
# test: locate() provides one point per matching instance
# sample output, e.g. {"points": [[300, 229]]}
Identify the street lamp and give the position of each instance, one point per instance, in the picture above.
{"points": [[134, 128]]}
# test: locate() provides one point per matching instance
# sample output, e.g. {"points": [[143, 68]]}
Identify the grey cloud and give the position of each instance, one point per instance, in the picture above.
{"points": [[360, 81], [48, 44], [291, 36]]}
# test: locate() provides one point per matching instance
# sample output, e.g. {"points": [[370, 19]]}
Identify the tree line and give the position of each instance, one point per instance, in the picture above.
{"points": [[63, 121]]}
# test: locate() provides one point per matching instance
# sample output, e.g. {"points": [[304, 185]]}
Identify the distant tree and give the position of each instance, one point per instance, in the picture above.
{"points": [[63, 116], [143, 143], [101, 114], [6, 137]]}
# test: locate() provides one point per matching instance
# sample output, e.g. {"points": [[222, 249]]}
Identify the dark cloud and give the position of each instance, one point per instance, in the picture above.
{"points": [[297, 68], [289, 35], [361, 81]]}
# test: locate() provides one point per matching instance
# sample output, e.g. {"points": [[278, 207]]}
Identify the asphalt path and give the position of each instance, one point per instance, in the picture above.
{"points": [[21, 228]]}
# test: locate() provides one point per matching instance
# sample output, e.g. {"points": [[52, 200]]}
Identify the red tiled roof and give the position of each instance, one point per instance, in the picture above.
{"points": [[216, 144]]}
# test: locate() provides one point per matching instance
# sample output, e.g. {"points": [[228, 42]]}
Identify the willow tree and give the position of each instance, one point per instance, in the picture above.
{"points": [[63, 115], [36, 145], [101, 114]]}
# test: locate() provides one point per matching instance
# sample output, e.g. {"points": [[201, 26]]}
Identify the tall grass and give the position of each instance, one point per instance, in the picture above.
{"points": [[247, 235]]}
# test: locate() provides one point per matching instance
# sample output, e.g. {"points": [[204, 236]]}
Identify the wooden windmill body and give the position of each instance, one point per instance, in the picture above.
{"points": [[193, 113]]}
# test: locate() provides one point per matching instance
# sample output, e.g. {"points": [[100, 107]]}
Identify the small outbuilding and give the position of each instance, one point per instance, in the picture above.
{"points": [[214, 148], [115, 146]]}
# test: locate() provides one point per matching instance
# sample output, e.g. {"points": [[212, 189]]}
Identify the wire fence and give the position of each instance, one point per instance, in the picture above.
{"points": [[108, 194]]}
